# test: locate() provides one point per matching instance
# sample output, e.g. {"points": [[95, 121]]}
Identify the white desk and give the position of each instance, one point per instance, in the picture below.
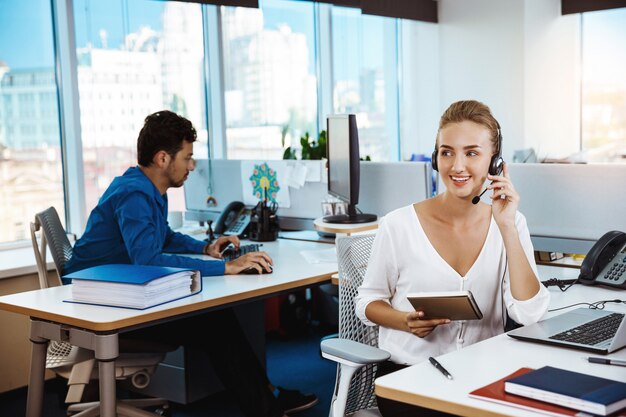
{"points": [[492, 359], [349, 228], [97, 327]]}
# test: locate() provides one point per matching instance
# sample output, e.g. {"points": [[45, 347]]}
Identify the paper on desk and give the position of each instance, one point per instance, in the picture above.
{"points": [[321, 256]]}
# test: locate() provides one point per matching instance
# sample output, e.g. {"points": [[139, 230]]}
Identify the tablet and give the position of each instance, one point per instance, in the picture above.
{"points": [[453, 305]]}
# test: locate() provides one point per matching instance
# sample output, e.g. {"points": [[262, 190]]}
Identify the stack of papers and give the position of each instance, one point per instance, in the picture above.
{"points": [[133, 286]]}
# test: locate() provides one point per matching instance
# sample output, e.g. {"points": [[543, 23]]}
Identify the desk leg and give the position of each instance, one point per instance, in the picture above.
{"points": [[34, 399], [106, 351]]}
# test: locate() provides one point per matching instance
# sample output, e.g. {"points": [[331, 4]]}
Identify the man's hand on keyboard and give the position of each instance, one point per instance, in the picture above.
{"points": [[257, 261], [215, 249]]}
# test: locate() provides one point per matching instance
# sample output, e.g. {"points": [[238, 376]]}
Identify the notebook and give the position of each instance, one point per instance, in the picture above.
{"points": [[570, 389], [494, 392], [598, 331]]}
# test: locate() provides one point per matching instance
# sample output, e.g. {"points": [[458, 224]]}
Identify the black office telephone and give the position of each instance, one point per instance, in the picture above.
{"points": [[605, 263], [233, 220]]}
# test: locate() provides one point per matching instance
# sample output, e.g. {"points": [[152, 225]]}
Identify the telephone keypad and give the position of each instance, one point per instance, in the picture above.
{"points": [[615, 272]]}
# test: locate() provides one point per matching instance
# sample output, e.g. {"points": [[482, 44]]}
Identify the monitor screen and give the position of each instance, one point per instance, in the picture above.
{"points": [[339, 157], [344, 167]]}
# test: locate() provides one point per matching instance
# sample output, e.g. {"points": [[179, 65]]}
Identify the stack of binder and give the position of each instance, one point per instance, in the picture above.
{"points": [[133, 286]]}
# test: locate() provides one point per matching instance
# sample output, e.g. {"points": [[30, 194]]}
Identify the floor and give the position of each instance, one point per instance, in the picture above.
{"points": [[294, 363]]}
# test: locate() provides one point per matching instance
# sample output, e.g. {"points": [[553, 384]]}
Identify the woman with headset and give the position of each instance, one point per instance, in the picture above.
{"points": [[452, 242]]}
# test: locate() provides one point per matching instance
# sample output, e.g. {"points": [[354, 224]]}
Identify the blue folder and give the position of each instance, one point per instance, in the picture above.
{"points": [[128, 274]]}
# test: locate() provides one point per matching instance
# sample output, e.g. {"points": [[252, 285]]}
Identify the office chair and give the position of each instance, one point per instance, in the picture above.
{"points": [[355, 349], [75, 364]]}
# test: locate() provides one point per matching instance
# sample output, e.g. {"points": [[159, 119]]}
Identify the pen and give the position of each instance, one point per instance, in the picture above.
{"points": [[607, 361], [440, 368]]}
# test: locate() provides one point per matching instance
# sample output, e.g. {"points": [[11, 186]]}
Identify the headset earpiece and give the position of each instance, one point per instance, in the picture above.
{"points": [[433, 162], [496, 163], [495, 166]]}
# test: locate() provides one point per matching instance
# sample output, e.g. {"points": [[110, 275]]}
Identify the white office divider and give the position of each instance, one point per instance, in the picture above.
{"points": [[569, 206], [385, 186]]}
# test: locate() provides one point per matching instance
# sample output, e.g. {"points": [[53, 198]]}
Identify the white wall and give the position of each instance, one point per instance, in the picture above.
{"points": [[552, 79], [419, 97], [520, 57], [482, 58]]}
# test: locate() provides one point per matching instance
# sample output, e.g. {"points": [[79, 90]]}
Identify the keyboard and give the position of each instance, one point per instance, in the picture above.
{"points": [[593, 332], [229, 253]]}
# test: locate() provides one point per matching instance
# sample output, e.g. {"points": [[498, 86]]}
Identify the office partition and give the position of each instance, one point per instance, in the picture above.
{"points": [[385, 186], [569, 206]]}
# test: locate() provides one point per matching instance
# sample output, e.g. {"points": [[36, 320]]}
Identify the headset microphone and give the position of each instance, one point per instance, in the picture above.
{"points": [[476, 199]]}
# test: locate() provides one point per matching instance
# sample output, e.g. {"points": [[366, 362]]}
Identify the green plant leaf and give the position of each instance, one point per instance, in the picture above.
{"points": [[289, 153]]}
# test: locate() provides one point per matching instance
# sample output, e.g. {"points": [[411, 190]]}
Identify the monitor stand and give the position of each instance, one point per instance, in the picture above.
{"points": [[351, 217]]}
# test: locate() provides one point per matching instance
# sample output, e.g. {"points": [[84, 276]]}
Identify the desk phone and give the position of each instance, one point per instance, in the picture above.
{"points": [[606, 261]]}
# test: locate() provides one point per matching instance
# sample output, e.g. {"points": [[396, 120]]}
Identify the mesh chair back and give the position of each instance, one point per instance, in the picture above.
{"points": [[353, 253], [61, 356], [55, 235]]}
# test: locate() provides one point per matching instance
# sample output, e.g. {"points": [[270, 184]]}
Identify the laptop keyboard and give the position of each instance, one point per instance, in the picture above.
{"points": [[593, 332], [229, 255]]}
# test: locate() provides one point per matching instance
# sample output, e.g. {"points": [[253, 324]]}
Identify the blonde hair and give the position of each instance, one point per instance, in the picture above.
{"points": [[473, 111]]}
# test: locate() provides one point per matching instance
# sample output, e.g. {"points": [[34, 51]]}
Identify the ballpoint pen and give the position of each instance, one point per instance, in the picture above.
{"points": [[440, 368], [605, 361]]}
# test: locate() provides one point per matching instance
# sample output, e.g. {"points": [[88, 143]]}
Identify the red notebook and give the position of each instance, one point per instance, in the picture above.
{"points": [[495, 392]]}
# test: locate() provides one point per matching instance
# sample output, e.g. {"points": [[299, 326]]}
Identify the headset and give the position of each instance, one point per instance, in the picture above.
{"points": [[495, 165]]}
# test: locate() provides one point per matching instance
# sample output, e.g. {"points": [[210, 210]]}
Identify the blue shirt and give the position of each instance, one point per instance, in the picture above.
{"points": [[129, 226]]}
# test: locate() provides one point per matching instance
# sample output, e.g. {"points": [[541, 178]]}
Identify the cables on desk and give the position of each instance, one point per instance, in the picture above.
{"points": [[596, 305]]}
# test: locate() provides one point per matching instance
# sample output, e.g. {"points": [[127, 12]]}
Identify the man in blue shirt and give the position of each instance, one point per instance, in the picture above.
{"points": [[129, 226]]}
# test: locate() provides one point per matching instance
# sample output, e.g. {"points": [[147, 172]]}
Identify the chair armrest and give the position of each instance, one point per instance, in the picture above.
{"points": [[353, 351]]}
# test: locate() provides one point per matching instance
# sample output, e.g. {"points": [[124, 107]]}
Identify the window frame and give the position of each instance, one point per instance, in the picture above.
{"points": [[64, 34]]}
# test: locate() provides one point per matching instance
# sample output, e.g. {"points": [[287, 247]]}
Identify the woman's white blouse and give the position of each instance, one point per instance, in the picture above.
{"points": [[403, 261]]}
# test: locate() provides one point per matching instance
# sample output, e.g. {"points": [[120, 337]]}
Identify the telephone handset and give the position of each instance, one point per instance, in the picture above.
{"points": [[233, 220], [606, 261]]}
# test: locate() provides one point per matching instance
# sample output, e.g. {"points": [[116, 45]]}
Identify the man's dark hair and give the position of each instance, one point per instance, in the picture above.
{"points": [[163, 131]]}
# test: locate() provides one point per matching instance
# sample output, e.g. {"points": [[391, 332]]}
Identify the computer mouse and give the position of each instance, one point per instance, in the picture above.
{"points": [[252, 271]]}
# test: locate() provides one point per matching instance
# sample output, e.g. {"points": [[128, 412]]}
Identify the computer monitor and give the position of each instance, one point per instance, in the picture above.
{"points": [[344, 167]]}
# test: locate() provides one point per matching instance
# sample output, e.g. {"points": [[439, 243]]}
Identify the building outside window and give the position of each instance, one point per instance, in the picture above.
{"points": [[270, 86], [31, 177], [364, 51], [604, 85], [135, 58]]}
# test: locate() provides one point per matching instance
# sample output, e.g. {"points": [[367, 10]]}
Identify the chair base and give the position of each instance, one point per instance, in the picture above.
{"points": [[124, 408]]}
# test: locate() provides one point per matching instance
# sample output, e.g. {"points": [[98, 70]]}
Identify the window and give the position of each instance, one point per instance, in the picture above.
{"points": [[364, 51], [135, 58], [604, 85], [31, 175], [270, 94]]}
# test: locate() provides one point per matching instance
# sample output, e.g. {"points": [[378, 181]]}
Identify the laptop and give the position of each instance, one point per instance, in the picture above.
{"points": [[598, 331]]}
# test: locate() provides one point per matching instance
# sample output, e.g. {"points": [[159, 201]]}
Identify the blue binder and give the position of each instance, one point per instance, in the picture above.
{"points": [[150, 286]]}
